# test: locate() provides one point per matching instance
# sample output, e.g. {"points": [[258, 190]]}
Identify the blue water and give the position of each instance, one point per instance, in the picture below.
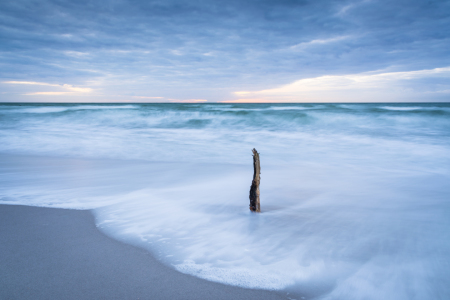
{"points": [[355, 198]]}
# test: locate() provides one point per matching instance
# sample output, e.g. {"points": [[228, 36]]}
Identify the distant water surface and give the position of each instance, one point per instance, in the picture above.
{"points": [[355, 198]]}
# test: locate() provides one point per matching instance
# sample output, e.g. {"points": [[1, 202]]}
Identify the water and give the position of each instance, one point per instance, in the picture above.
{"points": [[355, 198]]}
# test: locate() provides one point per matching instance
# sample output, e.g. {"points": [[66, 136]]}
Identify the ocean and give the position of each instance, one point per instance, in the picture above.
{"points": [[355, 198]]}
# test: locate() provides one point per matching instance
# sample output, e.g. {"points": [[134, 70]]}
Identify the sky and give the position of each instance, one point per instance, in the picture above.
{"points": [[225, 51]]}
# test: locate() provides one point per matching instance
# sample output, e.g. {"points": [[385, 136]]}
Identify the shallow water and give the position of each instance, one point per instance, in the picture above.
{"points": [[354, 197]]}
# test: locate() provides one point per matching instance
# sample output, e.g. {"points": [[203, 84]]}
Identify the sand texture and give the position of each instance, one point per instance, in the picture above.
{"points": [[48, 253]]}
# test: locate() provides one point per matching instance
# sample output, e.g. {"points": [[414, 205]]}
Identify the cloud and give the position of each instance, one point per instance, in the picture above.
{"points": [[75, 53], [67, 88], [209, 49], [76, 89], [318, 42], [29, 83], [47, 93], [346, 87]]}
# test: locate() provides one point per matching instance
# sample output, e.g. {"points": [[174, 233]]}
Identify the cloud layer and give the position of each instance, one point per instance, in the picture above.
{"points": [[127, 50], [372, 87]]}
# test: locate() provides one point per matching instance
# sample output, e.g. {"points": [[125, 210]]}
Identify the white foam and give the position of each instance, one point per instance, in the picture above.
{"points": [[405, 108], [56, 109], [355, 204], [290, 108], [247, 278], [103, 107], [41, 110]]}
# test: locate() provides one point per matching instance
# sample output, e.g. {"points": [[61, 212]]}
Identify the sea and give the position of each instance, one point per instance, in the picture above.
{"points": [[355, 198]]}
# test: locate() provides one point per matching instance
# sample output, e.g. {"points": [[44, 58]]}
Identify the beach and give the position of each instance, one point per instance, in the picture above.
{"points": [[152, 201], [49, 253]]}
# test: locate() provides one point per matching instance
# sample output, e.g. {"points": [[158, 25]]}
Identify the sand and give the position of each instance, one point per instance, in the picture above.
{"points": [[49, 253]]}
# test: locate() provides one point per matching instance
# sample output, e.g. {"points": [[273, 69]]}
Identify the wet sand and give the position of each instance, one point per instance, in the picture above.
{"points": [[48, 253]]}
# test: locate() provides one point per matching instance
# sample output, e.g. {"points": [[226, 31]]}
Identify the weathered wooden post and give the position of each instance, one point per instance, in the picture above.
{"points": [[254, 189]]}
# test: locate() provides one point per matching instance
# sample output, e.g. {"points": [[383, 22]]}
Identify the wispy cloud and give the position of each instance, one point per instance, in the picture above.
{"points": [[67, 89], [76, 54], [318, 42], [340, 85], [30, 83], [47, 93], [343, 10], [76, 89]]}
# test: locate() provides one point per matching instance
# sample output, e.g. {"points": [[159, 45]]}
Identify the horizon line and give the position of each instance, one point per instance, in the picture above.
{"points": [[225, 103]]}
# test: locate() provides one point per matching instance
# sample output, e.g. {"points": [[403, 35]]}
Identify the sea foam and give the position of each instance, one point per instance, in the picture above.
{"points": [[355, 199]]}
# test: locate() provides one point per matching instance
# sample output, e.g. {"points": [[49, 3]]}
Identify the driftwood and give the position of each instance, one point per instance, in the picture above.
{"points": [[254, 189]]}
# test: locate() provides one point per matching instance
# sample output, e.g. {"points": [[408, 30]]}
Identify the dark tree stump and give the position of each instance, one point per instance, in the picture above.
{"points": [[254, 189]]}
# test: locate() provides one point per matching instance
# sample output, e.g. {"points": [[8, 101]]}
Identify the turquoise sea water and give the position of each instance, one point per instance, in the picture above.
{"points": [[355, 198]]}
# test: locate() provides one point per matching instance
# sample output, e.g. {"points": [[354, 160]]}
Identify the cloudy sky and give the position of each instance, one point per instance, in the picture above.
{"points": [[238, 51]]}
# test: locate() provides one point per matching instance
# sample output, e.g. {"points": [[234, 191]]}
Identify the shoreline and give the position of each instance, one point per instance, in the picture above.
{"points": [[53, 253]]}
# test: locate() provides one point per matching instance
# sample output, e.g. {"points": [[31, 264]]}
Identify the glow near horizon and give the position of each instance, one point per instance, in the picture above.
{"points": [[379, 85]]}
